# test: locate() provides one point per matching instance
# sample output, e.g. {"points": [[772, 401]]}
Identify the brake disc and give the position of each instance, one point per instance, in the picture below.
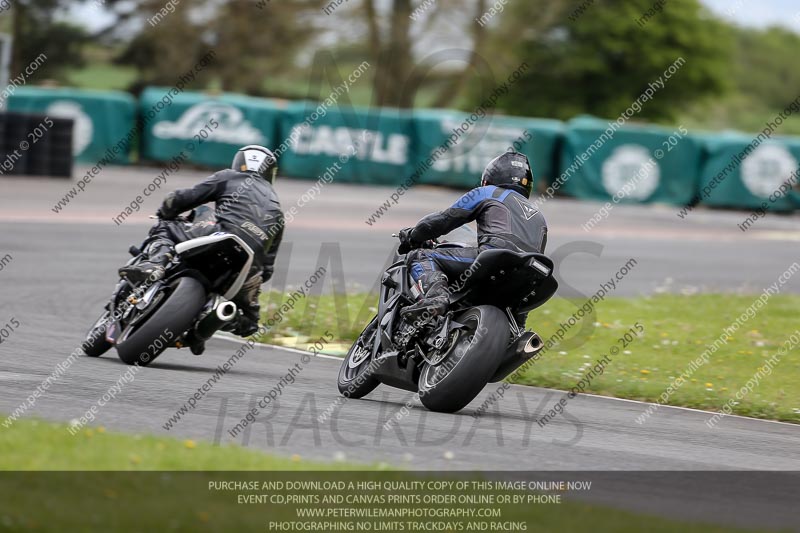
{"points": [[440, 355]]}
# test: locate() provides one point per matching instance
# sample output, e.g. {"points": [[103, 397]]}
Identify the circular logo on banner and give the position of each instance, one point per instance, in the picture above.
{"points": [[82, 129], [631, 172], [766, 168]]}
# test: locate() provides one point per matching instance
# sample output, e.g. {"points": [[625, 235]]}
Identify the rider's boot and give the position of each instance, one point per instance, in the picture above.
{"points": [[158, 254], [435, 301]]}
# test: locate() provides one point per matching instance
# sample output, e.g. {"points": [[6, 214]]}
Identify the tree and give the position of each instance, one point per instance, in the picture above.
{"points": [[254, 44], [250, 40], [399, 41], [165, 47], [765, 66], [602, 60], [37, 32]]}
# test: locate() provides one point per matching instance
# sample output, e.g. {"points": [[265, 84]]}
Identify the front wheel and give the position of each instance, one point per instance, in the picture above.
{"points": [[472, 358], [355, 380], [143, 342], [95, 343]]}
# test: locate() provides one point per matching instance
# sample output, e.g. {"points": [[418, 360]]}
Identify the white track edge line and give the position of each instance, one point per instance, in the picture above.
{"points": [[643, 404], [276, 346]]}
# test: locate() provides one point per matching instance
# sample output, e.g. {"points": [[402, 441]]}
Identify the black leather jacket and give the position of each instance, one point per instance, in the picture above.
{"points": [[245, 205], [504, 217]]}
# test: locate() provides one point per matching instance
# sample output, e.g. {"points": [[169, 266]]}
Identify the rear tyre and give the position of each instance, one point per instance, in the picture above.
{"points": [[355, 380], [474, 357], [165, 325], [95, 343]]}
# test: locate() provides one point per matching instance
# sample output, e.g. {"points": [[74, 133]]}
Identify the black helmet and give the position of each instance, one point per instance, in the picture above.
{"points": [[256, 159], [510, 170]]}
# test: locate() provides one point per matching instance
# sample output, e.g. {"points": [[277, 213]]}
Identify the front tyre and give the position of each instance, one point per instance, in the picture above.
{"points": [[473, 357], [164, 325], [95, 343], [355, 380]]}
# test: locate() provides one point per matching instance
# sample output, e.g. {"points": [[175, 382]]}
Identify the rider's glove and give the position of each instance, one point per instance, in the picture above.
{"points": [[406, 245], [167, 211]]}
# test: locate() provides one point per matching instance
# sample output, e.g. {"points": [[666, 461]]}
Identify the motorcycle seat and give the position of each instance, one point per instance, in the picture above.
{"points": [[506, 278]]}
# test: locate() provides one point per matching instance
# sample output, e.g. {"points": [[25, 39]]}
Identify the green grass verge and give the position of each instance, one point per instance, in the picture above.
{"points": [[37, 445], [677, 330], [100, 499]]}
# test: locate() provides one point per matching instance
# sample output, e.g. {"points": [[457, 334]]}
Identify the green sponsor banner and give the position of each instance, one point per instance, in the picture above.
{"points": [[205, 129], [104, 122], [453, 148], [742, 171], [352, 145], [632, 164]]}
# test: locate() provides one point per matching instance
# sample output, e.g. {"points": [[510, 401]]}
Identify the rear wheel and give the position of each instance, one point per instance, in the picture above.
{"points": [[148, 336], [355, 380], [472, 358]]}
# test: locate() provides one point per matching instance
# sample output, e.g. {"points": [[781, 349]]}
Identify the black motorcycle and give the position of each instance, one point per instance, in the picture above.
{"points": [[182, 308], [449, 359]]}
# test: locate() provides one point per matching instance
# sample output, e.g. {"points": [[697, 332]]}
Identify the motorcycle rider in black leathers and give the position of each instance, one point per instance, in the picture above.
{"points": [[504, 217], [245, 204]]}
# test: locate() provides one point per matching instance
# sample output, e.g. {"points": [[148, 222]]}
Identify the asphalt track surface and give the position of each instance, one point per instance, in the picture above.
{"points": [[63, 269]]}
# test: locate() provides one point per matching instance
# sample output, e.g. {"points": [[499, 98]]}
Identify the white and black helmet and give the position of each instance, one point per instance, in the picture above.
{"points": [[256, 159]]}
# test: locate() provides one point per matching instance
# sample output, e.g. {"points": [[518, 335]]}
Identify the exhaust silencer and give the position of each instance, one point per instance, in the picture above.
{"points": [[222, 313], [518, 354]]}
